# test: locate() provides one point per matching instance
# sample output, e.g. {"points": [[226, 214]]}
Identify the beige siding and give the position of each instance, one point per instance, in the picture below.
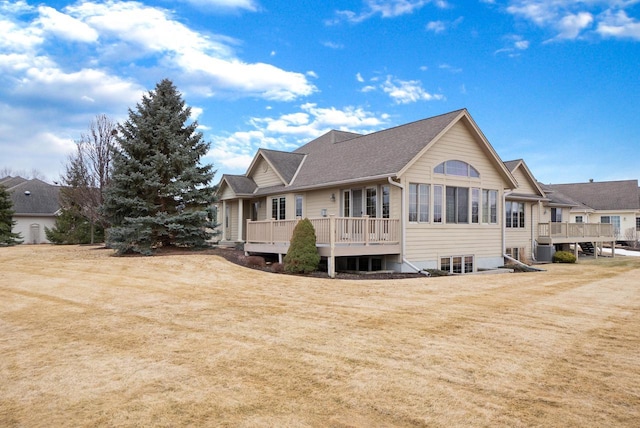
{"points": [[32, 228], [232, 225], [429, 241], [521, 237], [316, 201], [227, 193], [264, 175], [524, 183]]}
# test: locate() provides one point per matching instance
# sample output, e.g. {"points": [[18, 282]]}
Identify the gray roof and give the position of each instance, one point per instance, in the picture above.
{"points": [[240, 184], [285, 163], [512, 164], [337, 157], [603, 195], [9, 182], [35, 197]]}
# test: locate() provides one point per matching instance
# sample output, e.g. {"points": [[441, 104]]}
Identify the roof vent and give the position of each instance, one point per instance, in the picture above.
{"points": [[26, 192]]}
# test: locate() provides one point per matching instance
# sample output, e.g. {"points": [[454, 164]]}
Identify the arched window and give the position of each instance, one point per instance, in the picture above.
{"points": [[456, 167]]}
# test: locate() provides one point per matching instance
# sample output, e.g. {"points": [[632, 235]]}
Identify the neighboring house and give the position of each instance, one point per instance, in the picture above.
{"points": [[431, 194], [35, 204], [609, 202]]}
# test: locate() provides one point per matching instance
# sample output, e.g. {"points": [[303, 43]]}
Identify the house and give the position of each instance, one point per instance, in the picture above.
{"points": [[608, 202], [539, 220], [35, 206], [430, 194]]}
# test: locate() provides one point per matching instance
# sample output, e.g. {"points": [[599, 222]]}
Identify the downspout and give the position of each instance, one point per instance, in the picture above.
{"points": [[533, 253], [404, 230], [504, 223]]}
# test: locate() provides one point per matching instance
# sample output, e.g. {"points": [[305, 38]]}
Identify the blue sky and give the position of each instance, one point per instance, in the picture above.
{"points": [[556, 83]]}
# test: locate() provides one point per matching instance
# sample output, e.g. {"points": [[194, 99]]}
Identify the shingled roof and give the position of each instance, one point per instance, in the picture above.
{"points": [[240, 184], [603, 195], [362, 157], [34, 197], [340, 157]]}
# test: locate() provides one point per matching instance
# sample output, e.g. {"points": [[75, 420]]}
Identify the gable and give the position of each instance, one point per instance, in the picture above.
{"points": [[525, 184], [460, 143], [264, 175]]}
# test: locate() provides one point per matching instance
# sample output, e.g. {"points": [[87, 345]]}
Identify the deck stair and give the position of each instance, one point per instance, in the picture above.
{"points": [[587, 247]]}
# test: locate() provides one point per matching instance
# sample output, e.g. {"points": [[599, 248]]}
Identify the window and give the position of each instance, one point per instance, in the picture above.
{"points": [[556, 215], [278, 208], [614, 220], [493, 206], [457, 204], [418, 202], [489, 206], [514, 253], [346, 203], [638, 224], [514, 215], [372, 202], [457, 264], [475, 205], [385, 201], [456, 167], [578, 219], [437, 204], [298, 206]]}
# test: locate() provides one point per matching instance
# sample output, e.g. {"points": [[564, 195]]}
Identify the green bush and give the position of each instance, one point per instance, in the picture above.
{"points": [[564, 257], [302, 256]]}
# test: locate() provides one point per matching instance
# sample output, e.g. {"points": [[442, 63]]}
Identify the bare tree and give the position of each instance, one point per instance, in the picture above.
{"points": [[6, 171], [88, 171]]}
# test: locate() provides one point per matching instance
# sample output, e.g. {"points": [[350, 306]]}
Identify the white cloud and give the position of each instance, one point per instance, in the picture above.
{"points": [[571, 25], [571, 19], [359, 78], [407, 91], [516, 45], [234, 152], [333, 45], [619, 25], [203, 58], [436, 26], [383, 8], [450, 68], [65, 26], [249, 5]]}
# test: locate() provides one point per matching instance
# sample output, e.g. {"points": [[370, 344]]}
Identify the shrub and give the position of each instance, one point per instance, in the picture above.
{"points": [[255, 261], [302, 256], [564, 257], [277, 267]]}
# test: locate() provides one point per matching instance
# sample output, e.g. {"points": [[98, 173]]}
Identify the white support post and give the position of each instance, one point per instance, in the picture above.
{"points": [[332, 246], [224, 221], [240, 219]]}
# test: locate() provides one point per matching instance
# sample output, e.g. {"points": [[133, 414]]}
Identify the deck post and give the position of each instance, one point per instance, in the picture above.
{"points": [[575, 250], [613, 248], [332, 246]]}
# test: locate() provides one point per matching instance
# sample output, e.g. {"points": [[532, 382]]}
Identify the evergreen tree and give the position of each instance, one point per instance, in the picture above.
{"points": [[6, 220], [158, 194], [302, 256]]}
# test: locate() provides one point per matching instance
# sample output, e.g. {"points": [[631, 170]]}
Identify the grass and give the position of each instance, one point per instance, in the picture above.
{"points": [[87, 340]]}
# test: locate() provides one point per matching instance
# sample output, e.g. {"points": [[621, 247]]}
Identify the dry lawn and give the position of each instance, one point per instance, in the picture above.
{"points": [[87, 339]]}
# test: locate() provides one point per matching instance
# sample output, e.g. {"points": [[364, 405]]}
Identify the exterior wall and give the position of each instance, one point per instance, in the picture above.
{"points": [[232, 225], [627, 221], [522, 237], [264, 176], [524, 184], [227, 193], [427, 242], [31, 228]]}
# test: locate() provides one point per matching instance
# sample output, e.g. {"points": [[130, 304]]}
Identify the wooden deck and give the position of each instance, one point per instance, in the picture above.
{"points": [[346, 235], [567, 233]]}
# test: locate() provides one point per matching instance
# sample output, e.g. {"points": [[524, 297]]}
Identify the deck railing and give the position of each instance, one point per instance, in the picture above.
{"points": [[576, 230], [348, 230]]}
